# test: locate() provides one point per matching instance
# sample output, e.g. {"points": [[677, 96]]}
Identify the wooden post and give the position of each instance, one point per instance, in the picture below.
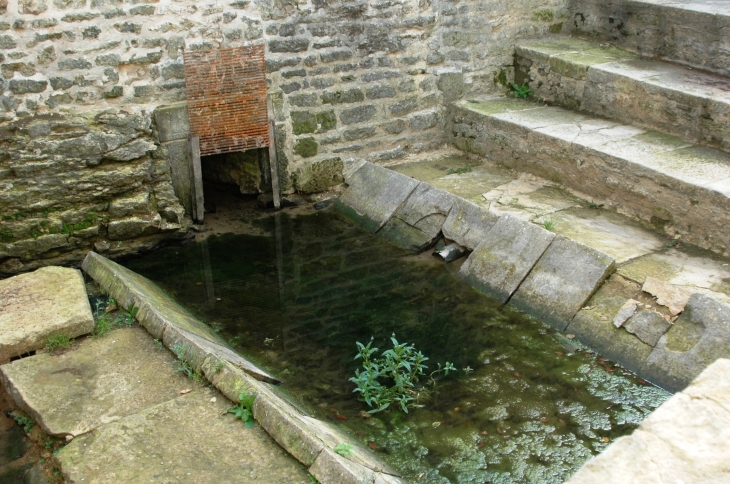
{"points": [[273, 163], [197, 181]]}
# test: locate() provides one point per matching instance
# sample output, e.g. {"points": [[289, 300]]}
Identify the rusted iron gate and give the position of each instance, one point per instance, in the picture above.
{"points": [[227, 108]]}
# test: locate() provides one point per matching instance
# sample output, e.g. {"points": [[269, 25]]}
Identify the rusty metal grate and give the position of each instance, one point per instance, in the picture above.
{"points": [[226, 91]]}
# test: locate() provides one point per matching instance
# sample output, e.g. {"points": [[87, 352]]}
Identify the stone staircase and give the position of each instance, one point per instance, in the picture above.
{"points": [[625, 118]]}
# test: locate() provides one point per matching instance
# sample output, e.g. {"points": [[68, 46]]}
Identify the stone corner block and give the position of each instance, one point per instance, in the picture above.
{"points": [[33, 306], [330, 468], [561, 282], [172, 122], [697, 338], [468, 223], [505, 256], [374, 194]]}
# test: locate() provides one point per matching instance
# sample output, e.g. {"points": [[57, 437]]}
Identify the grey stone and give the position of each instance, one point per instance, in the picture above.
{"points": [[404, 107], [380, 92], [128, 27], [172, 122], [696, 339], [132, 227], [331, 467], [114, 92], [374, 194], [149, 58], [108, 60], [468, 223], [33, 306], [342, 97], [359, 133], [33, 7], [291, 87], [123, 206], [304, 100], [562, 281], [335, 55], [359, 114], [452, 252], [142, 10], [648, 326], [395, 127], [25, 86], [298, 44], [505, 257], [451, 85], [79, 17], [130, 151], [91, 32], [71, 64], [273, 65], [47, 55], [294, 73], [421, 121]]}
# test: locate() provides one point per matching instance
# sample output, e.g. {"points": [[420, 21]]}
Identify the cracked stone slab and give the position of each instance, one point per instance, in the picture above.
{"points": [[36, 305], [697, 338], [682, 441], [673, 297], [563, 279], [103, 380], [505, 256], [374, 194], [190, 438], [417, 223], [529, 197], [468, 224]]}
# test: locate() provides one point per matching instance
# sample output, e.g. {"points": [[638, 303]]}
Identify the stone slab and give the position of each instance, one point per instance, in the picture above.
{"points": [[181, 173], [160, 314], [172, 122], [593, 325], [561, 282], [468, 224], [36, 305], [696, 339], [418, 222], [682, 441], [102, 381], [373, 196], [186, 439], [505, 256], [331, 467], [648, 326]]}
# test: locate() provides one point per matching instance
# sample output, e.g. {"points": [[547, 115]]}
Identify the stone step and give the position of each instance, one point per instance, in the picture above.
{"points": [[617, 84], [693, 32], [674, 186]]}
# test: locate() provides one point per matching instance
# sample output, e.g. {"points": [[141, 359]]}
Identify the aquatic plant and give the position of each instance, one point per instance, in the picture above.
{"points": [[394, 377]]}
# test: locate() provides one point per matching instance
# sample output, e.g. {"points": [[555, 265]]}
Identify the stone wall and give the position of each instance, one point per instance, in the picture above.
{"points": [[367, 78]]}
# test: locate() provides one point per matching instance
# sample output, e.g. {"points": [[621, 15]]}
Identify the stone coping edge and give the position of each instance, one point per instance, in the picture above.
{"points": [[307, 439]]}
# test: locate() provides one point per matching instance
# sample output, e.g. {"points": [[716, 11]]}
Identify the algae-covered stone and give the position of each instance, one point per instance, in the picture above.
{"points": [[505, 256], [306, 147], [561, 282], [158, 442], [695, 340], [319, 176], [102, 381], [34, 306], [374, 194], [468, 223], [136, 226]]}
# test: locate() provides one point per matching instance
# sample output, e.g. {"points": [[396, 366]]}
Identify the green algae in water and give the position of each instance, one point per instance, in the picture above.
{"points": [[527, 406]]}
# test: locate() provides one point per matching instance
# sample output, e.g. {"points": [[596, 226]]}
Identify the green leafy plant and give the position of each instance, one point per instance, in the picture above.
{"points": [[458, 171], [244, 409], [344, 449], [522, 91], [127, 317], [549, 224], [183, 364], [57, 342], [26, 422], [393, 378], [313, 479]]}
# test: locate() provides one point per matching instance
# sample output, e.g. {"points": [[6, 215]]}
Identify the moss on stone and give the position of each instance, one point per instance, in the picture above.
{"points": [[306, 147], [326, 120], [543, 15], [303, 122]]}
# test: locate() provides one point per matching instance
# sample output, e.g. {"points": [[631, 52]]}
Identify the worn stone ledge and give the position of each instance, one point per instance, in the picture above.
{"points": [[374, 194], [303, 437]]}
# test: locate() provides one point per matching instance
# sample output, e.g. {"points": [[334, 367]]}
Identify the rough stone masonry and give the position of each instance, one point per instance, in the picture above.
{"points": [[82, 165]]}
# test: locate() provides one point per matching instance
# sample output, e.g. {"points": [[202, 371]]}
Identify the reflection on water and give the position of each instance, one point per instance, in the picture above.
{"points": [[527, 405]]}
